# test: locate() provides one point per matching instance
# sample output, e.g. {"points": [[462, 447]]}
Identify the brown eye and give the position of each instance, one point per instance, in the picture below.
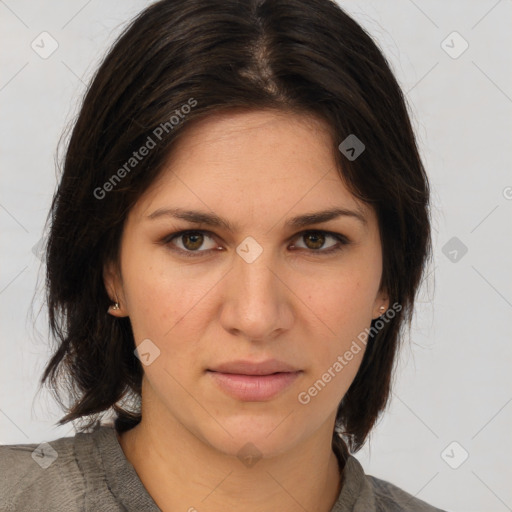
{"points": [[314, 240], [192, 241]]}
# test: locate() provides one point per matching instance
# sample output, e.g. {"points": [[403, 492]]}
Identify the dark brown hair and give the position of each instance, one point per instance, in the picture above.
{"points": [[302, 56]]}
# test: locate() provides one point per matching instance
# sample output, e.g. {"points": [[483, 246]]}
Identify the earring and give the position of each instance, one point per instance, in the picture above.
{"points": [[114, 306]]}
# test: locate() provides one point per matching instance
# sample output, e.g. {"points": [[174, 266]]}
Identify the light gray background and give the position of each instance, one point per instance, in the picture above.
{"points": [[453, 381]]}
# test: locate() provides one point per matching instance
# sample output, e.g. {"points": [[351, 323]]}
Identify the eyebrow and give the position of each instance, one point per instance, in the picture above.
{"points": [[300, 221]]}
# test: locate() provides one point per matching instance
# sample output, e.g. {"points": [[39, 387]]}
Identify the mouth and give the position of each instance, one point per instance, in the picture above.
{"points": [[254, 382]]}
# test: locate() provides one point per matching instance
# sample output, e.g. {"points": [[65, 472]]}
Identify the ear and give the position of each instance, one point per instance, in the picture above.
{"points": [[381, 304], [114, 287]]}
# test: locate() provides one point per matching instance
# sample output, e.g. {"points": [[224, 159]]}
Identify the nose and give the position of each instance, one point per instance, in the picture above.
{"points": [[257, 304]]}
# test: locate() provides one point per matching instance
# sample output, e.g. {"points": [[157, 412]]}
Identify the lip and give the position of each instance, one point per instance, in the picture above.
{"points": [[242, 367], [254, 382]]}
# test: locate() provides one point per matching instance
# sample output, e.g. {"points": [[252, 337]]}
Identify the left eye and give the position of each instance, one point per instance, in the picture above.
{"points": [[315, 240]]}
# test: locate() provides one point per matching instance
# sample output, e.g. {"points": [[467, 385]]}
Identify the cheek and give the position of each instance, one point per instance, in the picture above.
{"points": [[344, 302], [343, 308], [337, 348], [150, 300], [162, 298]]}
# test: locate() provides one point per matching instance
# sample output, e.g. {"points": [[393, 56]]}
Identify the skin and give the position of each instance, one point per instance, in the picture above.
{"points": [[255, 169]]}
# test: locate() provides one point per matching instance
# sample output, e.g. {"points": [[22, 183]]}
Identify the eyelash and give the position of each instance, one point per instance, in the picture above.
{"points": [[343, 241]]}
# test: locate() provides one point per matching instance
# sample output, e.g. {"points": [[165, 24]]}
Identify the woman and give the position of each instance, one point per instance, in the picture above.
{"points": [[237, 239]]}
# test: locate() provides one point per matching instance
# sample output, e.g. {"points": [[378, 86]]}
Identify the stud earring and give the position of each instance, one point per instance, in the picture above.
{"points": [[114, 306]]}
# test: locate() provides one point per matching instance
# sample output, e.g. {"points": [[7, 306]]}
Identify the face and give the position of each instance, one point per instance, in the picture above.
{"points": [[240, 290]]}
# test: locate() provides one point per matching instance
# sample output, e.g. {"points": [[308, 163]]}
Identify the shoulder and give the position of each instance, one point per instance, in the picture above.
{"points": [[35, 475], [390, 498], [52, 475], [371, 494]]}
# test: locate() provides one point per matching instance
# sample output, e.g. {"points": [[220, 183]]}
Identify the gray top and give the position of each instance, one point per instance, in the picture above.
{"points": [[89, 472]]}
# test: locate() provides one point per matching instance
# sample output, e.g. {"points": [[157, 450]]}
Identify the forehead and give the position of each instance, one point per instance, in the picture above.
{"points": [[256, 161]]}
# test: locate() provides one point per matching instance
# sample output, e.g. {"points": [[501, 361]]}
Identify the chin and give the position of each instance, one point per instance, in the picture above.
{"points": [[254, 435]]}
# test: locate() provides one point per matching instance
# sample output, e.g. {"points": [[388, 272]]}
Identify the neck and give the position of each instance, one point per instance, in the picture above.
{"points": [[181, 472]]}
